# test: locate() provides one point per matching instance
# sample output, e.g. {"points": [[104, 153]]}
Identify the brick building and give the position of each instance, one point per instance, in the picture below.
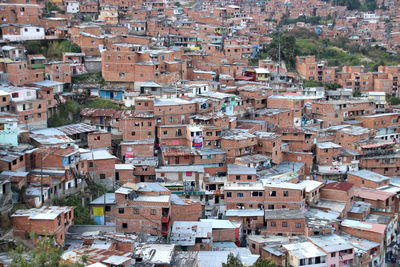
{"points": [[51, 221], [143, 207]]}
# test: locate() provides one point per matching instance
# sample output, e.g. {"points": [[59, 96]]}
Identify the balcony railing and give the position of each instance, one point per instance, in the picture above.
{"points": [[165, 219], [164, 233]]}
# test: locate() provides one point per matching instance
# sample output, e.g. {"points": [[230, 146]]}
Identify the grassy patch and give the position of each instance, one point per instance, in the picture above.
{"points": [[51, 49], [96, 78], [37, 66], [101, 103]]}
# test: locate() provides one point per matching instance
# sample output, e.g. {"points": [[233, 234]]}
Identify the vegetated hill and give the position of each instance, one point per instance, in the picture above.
{"points": [[362, 5], [338, 52]]}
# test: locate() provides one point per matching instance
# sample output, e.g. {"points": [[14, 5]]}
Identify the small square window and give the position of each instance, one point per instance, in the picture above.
{"points": [[121, 210], [124, 225]]}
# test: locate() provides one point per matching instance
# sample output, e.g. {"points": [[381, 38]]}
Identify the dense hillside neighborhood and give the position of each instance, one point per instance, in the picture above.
{"points": [[226, 133]]}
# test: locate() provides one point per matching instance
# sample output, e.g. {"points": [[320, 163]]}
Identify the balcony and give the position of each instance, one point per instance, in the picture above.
{"points": [[165, 219], [164, 233], [346, 256]]}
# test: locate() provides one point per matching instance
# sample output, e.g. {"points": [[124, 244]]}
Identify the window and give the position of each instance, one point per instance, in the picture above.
{"points": [[133, 133], [248, 177], [237, 177], [253, 246], [333, 254], [153, 212], [284, 224], [124, 225], [239, 194], [228, 194], [135, 211], [272, 193], [298, 225], [165, 132], [102, 176], [257, 194], [108, 208], [285, 193], [90, 164], [271, 207], [121, 210], [273, 224]]}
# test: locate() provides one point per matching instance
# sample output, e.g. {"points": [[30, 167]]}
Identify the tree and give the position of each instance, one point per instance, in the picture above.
{"points": [[52, 7], [286, 44], [357, 93], [57, 48], [45, 254], [51, 49], [67, 113], [264, 263], [81, 213], [392, 100], [377, 65], [332, 86], [232, 261]]}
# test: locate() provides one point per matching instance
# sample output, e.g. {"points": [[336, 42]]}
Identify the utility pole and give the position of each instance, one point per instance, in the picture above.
{"points": [[279, 52], [41, 178]]}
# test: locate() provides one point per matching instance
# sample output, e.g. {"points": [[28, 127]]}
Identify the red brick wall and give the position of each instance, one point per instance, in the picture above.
{"points": [[99, 140]]}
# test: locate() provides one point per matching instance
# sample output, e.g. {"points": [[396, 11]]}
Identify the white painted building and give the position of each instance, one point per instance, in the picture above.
{"points": [[72, 6], [25, 32]]}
